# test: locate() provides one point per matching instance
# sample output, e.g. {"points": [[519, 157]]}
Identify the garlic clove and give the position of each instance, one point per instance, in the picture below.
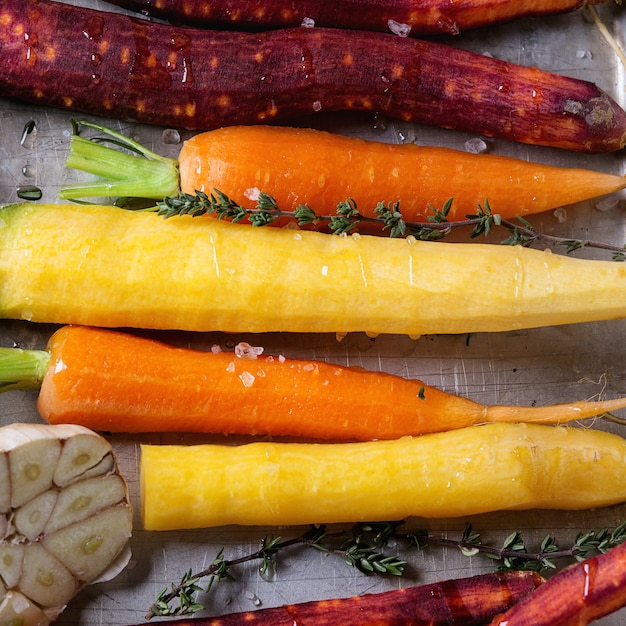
{"points": [[87, 547], [31, 469], [31, 518], [85, 498], [16, 608]]}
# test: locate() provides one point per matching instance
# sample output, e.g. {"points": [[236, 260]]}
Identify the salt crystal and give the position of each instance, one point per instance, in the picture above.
{"points": [[247, 379], [252, 193], [397, 28], [606, 204], [308, 22], [245, 350]]}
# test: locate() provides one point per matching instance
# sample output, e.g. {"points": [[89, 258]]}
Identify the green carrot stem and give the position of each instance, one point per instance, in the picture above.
{"points": [[144, 174], [22, 369]]}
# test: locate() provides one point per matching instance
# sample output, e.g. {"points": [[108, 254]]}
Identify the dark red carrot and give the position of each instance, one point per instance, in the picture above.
{"points": [[406, 17], [462, 602], [577, 595], [109, 64]]}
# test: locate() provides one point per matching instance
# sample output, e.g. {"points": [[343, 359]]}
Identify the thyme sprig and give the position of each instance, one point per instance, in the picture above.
{"points": [[347, 219], [365, 547]]}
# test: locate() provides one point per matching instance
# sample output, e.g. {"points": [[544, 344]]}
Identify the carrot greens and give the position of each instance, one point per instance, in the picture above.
{"points": [[22, 369], [120, 170]]}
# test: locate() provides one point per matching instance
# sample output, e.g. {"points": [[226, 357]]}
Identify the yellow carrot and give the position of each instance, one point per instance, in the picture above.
{"points": [[105, 266], [458, 473]]}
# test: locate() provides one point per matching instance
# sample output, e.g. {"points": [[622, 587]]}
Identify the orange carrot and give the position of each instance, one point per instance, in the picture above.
{"points": [[112, 381], [285, 163], [578, 594]]}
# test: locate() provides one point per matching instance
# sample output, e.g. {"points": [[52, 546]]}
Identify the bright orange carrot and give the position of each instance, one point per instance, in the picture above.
{"points": [[112, 381], [299, 166]]}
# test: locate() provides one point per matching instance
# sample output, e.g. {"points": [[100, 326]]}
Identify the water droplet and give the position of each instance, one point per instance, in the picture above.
{"points": [[29, 171], [94, 28], [477, 145], [29, 192], [379, 125], [171, 136], [252, 596], [268, 571], [561, 215], [29, 135]]}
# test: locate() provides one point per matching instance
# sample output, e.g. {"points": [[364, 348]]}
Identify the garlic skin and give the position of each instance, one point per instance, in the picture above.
{"points": [[65, 518]]}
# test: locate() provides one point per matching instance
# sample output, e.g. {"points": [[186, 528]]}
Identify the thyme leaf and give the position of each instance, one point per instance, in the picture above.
{"points": [[365, 547], [387, 215]]}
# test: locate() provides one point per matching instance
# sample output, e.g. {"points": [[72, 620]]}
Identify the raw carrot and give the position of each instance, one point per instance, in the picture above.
{"points": [[578, 594], [285, 163], [112, 381], [470, 601], [403, 17], [105, 266], [478, 469], [110, 64]]}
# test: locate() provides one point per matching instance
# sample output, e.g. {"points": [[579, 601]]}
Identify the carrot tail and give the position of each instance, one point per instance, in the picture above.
{"points": [[553, 414]]}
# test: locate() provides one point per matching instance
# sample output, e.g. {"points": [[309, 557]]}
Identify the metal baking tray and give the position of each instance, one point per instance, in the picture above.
{"points": [[527, 367]]}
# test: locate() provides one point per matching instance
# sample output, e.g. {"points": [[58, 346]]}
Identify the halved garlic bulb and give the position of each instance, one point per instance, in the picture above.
{"points": [[65, 518]]}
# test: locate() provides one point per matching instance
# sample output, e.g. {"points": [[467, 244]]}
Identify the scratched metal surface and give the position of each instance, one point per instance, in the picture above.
{"points": [[539, 366]]}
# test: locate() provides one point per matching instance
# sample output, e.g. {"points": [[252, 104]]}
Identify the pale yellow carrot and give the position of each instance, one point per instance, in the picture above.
{"points": [[105, 266], [458, 473]]}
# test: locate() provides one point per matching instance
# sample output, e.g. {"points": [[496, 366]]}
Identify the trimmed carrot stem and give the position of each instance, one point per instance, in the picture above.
{"points": [[285, 163], [113, 381]]}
